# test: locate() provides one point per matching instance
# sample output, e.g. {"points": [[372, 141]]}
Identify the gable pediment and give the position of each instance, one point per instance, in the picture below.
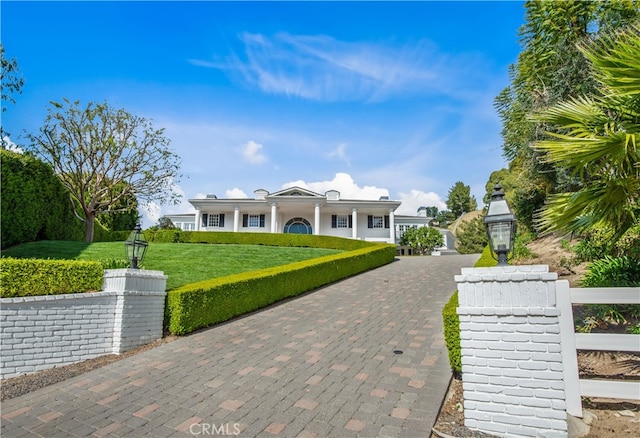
{"points": [[295, 191]]}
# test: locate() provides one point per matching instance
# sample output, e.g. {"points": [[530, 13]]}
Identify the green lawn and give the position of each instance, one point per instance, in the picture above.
{"points": [[184, 263]]}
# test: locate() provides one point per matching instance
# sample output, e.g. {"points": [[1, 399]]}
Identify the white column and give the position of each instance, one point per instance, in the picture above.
{"points": [[236, 219], [316, 225], [354, 219], [274, 212], [392, 227], [198, 219]]}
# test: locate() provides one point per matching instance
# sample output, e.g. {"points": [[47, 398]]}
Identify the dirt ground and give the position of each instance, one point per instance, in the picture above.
{"points": [[611, 418]]}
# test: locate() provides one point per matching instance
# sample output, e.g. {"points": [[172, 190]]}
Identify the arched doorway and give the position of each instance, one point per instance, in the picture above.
{"points": [[298, 225]]}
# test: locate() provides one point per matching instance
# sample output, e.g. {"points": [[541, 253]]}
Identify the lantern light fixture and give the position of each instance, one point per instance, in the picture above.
{"points": [[500, 223], [136, 246]]}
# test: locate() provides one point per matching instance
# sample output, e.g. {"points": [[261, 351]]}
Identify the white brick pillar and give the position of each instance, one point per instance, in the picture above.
{"points": [[512, 370], [139, 309]]}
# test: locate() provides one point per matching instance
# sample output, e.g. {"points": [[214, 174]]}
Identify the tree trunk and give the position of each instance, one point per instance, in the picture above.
{"points": [[88, 226]]}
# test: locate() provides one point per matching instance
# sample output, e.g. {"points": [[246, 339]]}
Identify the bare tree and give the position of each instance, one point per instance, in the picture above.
{"points": [[103, 156]]}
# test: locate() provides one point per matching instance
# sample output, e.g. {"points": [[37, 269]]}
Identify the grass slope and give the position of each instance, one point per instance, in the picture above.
{"points": [[183, 263]]}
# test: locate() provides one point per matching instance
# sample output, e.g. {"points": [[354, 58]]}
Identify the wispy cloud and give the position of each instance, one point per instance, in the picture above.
{"points": [[319, 67], [252, 152], [340, 153]]}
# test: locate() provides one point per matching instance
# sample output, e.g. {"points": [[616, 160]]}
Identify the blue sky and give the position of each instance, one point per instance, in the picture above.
{"points": [[368, 98]]}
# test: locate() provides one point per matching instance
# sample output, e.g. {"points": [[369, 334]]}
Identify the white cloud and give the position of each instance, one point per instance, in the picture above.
{"points": [[344, 183], [252, 152], [415, 199], [340, 153], [235, 193], [11, 146], [151, 212], [319, 67]]}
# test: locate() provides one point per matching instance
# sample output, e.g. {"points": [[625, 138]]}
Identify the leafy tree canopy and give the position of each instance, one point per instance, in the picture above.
{"points": [[97, 148], [459, 199], [422, 240], [598, 142]]}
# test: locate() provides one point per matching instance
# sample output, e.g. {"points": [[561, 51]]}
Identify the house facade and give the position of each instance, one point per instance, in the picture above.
{"points": [[294, 210], [301, 211]]}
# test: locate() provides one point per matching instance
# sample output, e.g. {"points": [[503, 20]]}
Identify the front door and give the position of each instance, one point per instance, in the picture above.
{"points": [[298, 225]]}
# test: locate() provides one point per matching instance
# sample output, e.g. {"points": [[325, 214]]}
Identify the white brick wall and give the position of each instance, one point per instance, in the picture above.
{"points": [[512, 369], [43, 332]]}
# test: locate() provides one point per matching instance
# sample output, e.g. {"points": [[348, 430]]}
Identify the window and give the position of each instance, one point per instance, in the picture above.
{"points": [[213, 220], [341, 221], [253, 220], [378, 221]]}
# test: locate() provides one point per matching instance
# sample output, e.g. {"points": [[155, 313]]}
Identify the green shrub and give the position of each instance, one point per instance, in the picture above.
{"points": [[594, 245], [244, 238], [486, 260], [35, 205], [212, 301], [29, 277], [471, 237], [629, 243], [612, 272], [451, 323]]}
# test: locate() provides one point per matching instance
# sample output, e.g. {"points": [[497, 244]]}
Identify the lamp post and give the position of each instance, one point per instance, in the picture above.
{"points": [[501, 226], [136, 246]]}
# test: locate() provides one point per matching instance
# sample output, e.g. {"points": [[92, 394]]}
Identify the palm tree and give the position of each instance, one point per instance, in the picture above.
{"points": [[599, 143]]}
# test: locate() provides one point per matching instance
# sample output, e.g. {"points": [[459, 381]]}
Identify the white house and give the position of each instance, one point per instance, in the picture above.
{"points": [[294, 210], [301, 211]]}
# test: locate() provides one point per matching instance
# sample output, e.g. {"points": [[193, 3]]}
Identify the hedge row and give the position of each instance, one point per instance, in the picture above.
{"points": [[35, 205], [451, 320], [30, 277], [269, 239], [212, 301]]}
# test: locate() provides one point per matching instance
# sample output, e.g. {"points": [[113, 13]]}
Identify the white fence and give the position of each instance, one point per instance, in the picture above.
{"points": [[571, 342]]}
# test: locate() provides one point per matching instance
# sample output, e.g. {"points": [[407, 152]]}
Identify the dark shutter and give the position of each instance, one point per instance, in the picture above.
{"points": [[334, 221], [205, 219], [221, 222], [262, 216], [386, 221], [350, 221], [245, 220], [370, 221]]}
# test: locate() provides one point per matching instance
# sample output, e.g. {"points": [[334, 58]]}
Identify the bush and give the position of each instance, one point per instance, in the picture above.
{"points": [[422, 240], [212, 301], [594, 245], [30, 277], [612, 272], [451, 323], [472, 236], [35, 205], [243, 238]]}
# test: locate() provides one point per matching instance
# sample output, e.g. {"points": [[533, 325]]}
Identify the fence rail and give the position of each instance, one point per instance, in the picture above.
{"points": [[571, 342]]}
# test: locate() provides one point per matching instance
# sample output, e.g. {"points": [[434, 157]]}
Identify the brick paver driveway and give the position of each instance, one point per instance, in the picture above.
{"points": [[361, 357]]}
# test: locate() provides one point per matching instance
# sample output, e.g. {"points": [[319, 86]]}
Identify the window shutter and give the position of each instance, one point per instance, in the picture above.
{"points": [[221, 222], [205, 219], [386, 221], [334, 221], [245, 220], [350, 221], [262, 216], [370, 221]]}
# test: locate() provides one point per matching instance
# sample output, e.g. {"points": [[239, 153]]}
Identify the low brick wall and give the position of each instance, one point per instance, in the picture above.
{"points": [[42, 332]]}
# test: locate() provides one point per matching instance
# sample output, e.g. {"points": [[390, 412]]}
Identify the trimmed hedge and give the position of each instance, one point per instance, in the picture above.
{"points": [[30, 277], [451, 320], [451, 323], [269, 239], [212, 301]]}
